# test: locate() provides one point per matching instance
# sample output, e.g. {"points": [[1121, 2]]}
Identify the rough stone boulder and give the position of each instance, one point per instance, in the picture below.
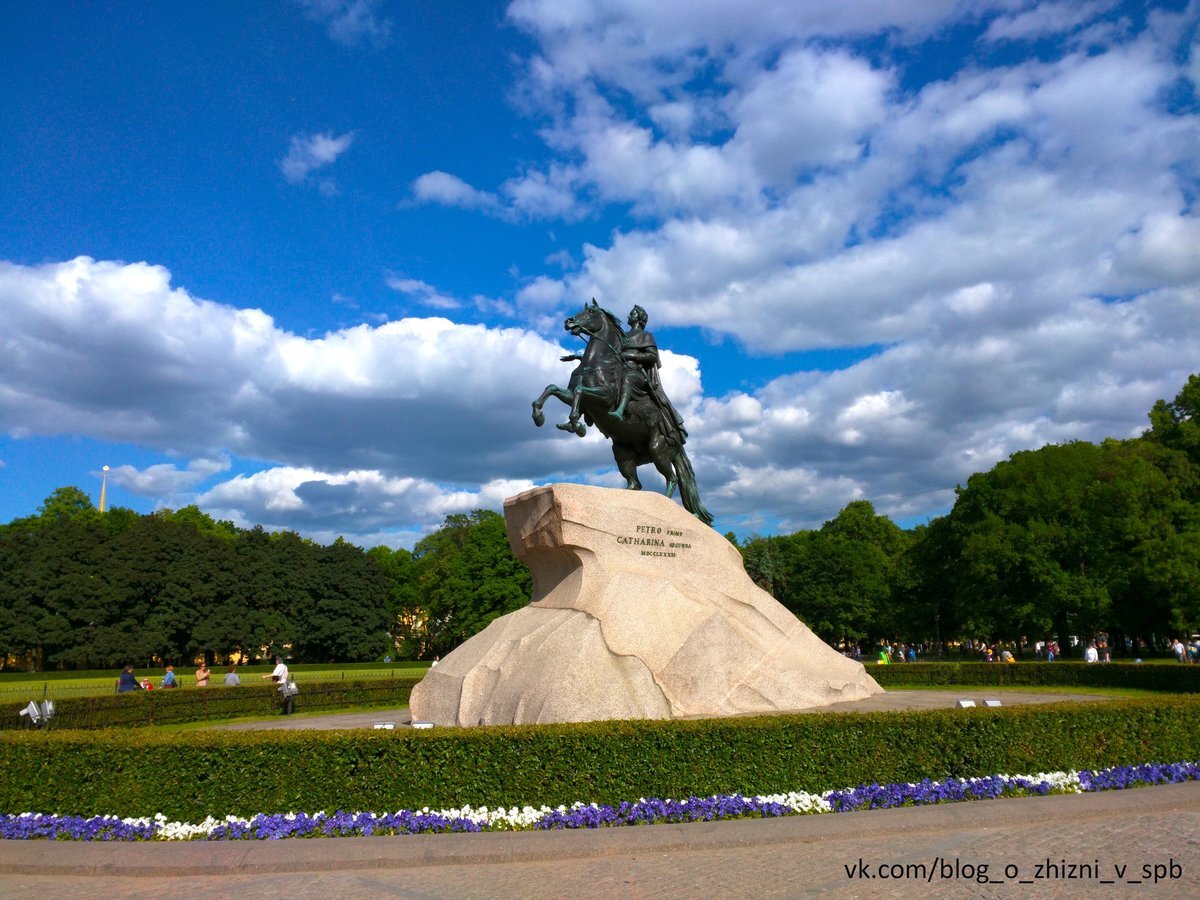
{"points": [[639, 611]]}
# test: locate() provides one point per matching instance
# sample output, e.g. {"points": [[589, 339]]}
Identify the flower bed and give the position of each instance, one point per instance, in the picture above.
{"points": [[33, 826], [190, 776]]}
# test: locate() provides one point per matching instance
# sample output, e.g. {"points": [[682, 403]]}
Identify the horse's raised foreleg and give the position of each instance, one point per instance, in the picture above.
{"points": [[573, 423], [552, 390]]}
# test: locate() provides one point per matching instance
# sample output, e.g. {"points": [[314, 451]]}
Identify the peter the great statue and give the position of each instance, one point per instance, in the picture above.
{"points": [[616, 388]]}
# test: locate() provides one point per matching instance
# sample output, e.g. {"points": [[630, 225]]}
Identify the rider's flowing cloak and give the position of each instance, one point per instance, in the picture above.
{"points": [[670, 422]]}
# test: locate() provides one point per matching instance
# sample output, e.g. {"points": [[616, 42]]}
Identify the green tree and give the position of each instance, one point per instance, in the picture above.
{"points": [[1070, 539], [1146, 536], [1018, 545], [468, 576], [763, 558], [344, 611], [1177, 424], [67, 503], [81, 589], [21, 606], [200, 520], [842, 579], [405, 608]]}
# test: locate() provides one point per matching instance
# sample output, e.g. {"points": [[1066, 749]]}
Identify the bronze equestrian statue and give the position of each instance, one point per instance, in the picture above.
{"points": [[616, 388]]}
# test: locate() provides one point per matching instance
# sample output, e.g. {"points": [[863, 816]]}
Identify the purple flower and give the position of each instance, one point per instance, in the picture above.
{"points": [[38, 826]]}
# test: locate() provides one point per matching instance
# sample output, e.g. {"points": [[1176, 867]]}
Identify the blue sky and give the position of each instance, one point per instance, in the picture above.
{"points": [[306, 263]]}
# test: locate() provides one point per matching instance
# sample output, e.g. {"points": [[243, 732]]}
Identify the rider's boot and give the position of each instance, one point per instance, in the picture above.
{"points": [[619, 412]]}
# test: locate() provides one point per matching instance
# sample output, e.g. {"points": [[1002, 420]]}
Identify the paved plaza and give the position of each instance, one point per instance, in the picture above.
{"points": [[1096, 845], [892, 701]]}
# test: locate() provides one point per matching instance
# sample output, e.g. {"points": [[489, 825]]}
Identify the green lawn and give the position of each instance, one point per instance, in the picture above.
{"points": [[25, 686], [965, 689]]}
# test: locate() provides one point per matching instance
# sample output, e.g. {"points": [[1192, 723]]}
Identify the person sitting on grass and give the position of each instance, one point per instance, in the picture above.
{"points": [[127, 681]]}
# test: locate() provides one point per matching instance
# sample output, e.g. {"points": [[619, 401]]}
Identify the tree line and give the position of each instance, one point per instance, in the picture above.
{"points": [[1070, 539], [84, 589]]}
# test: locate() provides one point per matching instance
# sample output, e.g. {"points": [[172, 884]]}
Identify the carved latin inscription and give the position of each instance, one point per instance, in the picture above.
{"points": [[654, 540]]}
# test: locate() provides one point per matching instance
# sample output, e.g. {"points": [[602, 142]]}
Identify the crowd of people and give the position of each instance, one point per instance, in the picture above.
{"points": [[127, 681], [888, 652], [1186, 652], [1096, 650]]}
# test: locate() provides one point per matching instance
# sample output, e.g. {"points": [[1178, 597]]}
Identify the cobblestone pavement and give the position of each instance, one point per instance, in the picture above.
{"points": [[1096, 845]]}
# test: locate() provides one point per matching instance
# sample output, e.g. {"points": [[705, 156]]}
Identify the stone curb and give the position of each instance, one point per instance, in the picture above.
{"points": [[200, 858]]}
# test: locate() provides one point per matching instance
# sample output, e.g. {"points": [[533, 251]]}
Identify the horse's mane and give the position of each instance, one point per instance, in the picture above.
{"points": [[616, 323]]}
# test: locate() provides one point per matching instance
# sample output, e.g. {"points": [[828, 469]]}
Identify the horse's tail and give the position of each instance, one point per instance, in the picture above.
{"points": [[688, 492]]}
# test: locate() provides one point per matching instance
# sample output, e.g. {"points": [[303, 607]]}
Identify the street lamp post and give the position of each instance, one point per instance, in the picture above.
{"points": [[103, 488]]}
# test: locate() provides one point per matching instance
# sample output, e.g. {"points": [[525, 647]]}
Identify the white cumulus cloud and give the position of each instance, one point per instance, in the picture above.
{"points": [[351, 22], [309, 152]]}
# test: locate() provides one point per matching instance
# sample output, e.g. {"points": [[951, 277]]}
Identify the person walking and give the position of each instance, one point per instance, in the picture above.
{"points": [[202, 675], [279, 675], [1178, 649]]}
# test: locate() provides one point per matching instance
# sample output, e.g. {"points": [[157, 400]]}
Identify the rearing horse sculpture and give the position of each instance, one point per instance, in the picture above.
{"points": [[647, 430]]}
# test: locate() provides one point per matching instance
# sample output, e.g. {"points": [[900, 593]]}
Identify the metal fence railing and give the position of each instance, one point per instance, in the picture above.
{"points": [[162, 707], [49, 690], [52, 689]]}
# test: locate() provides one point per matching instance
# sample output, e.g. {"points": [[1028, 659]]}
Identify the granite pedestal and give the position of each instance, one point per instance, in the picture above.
{"points": [[639, 611]]}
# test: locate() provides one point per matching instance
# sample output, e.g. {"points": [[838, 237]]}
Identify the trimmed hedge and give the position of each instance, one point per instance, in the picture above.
{"points": [[1167, 678], [191, 775], [200, 705], [173, 707]]}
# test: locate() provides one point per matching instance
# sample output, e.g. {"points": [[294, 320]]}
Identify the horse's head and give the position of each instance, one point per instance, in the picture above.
{"points": [[591, 320]]}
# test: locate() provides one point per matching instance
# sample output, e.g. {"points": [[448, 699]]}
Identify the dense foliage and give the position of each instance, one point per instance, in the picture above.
{"points": [[85, 589], [846, 580], [190, 775]]}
